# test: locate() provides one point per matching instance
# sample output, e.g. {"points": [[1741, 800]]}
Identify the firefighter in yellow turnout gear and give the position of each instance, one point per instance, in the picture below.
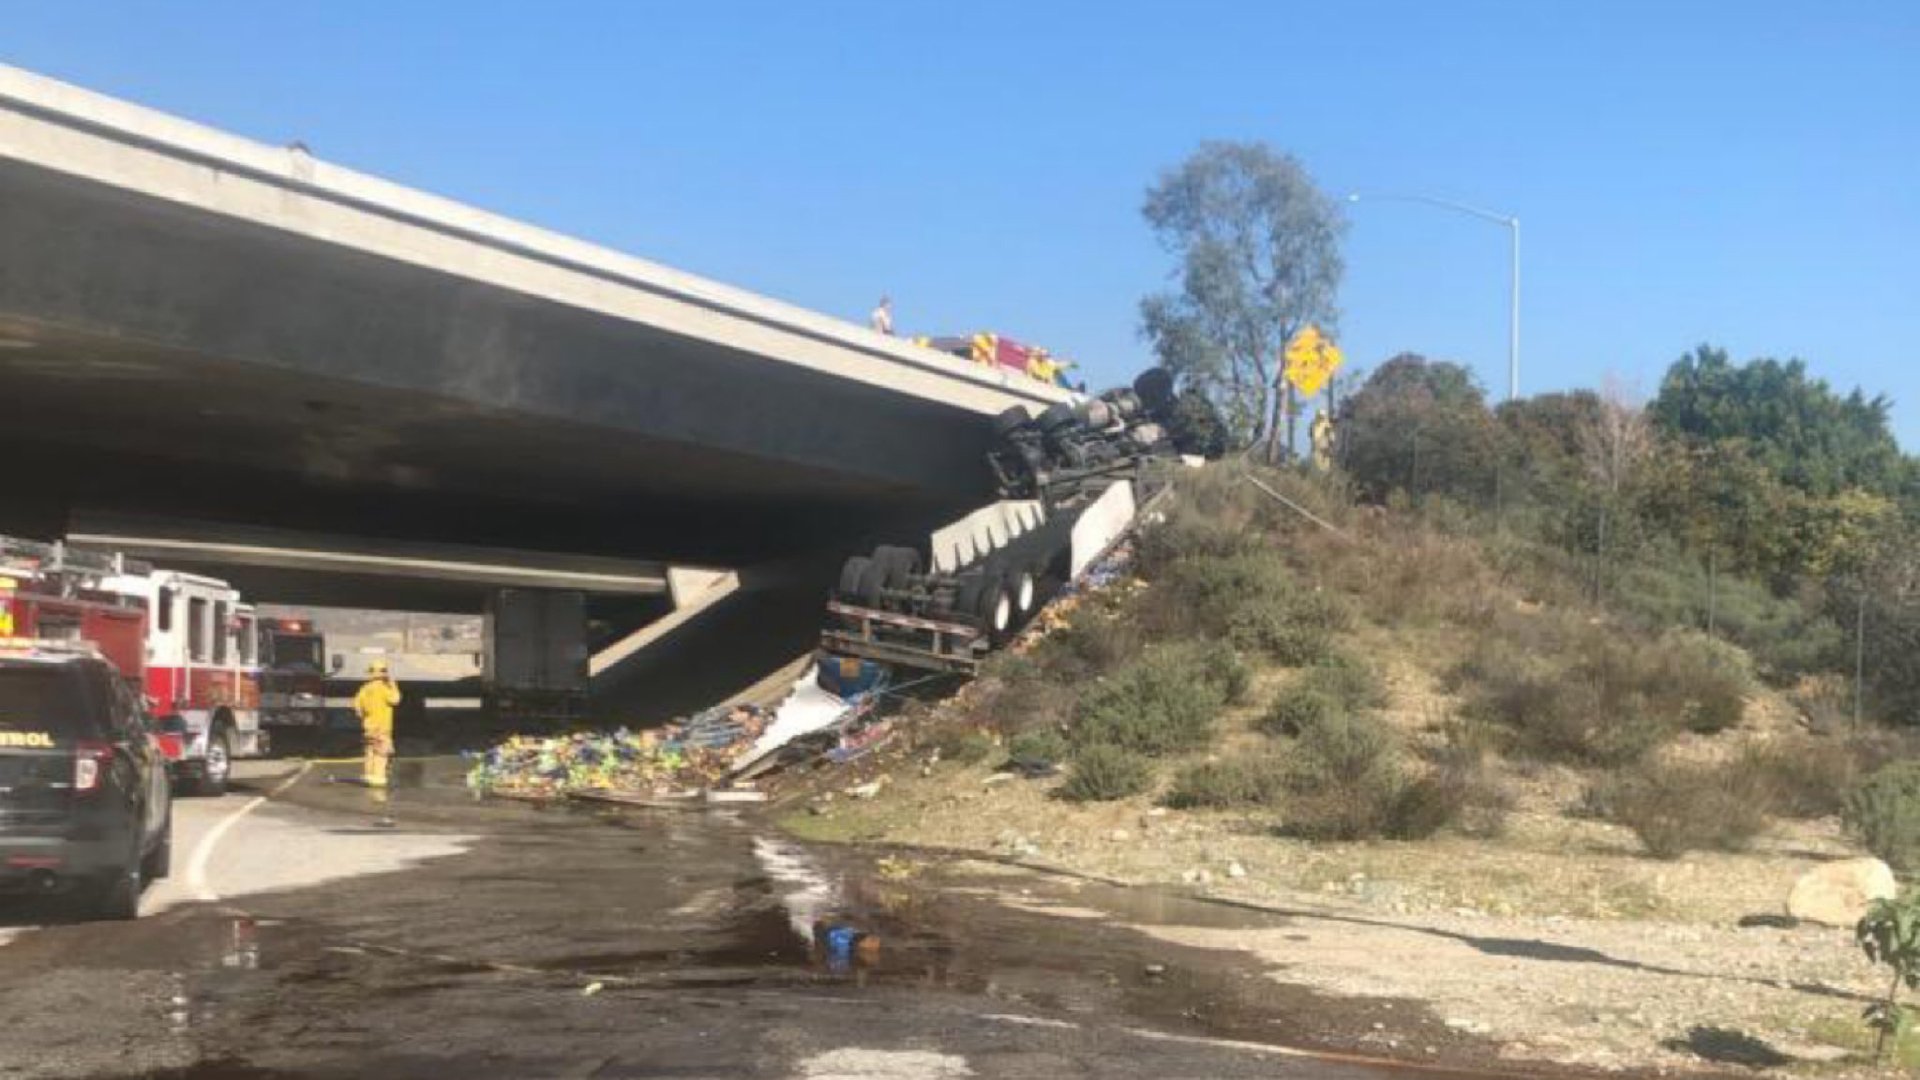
{"points": [[374, 704]]}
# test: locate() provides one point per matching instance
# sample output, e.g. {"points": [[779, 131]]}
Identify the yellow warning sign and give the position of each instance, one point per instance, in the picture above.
{"points": [[1311, 360]]}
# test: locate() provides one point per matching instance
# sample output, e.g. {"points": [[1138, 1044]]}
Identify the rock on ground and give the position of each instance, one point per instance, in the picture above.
{"points": [[1838, 893]]}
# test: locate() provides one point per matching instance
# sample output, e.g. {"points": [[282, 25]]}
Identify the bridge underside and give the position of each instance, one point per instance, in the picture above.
{"points": [[159, 360]]}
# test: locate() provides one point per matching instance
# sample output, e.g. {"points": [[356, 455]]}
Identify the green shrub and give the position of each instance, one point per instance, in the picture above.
{"points": [[1018, 699], [1348, 680], [1103, 772], [1807, 778], [1250, 598], [1675, 809], [1705, 680], [1223, 670], [1594, 695], [1272, 631], [1786, 637], [1163, 703], [1427, 804], [1460, 791], [1095, 644], [1233, 782], [1883, 811], [1187, 534], [1345, 778], [1041, 744], [966, 746], [1296, 710]]}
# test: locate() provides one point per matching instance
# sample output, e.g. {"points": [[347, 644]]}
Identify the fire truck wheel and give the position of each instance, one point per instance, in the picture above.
{"points": [[217, 769], [900, 563], [851, 572]]}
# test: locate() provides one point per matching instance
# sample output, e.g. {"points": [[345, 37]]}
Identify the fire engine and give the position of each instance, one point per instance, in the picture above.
{"points": [[293, 674], [188, 642], [52, 593]]}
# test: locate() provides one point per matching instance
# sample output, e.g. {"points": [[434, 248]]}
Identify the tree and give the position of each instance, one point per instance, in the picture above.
{"points": [[1813, 439], [1540, 451], [1419, 426], [1615, 442], [1258, 245]]}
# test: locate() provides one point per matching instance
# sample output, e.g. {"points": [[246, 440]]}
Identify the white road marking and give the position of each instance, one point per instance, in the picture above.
{"points": [[1030, 1021], [203, 852], [860, 1063], [1328, 1056]]}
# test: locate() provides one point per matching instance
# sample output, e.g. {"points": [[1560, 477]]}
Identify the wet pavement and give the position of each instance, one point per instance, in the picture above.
{"points": [[565, 943]]}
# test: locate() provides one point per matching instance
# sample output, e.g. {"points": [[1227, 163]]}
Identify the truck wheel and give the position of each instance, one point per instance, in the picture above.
{"points": [[966, 599], [217, 769], [900, 563], [1025, 590], [986, 599], [1154, 388], [873, 579], [1001, 618], [851, 572], [1056, 417], [1011, 420]]}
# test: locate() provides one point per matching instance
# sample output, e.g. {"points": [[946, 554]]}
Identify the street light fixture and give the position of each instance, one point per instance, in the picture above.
{"points": [[1513, 226]]}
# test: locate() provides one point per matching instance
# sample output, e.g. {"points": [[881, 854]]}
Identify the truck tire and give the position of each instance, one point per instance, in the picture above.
{"points": [[1023, 585], [966, 599], [900, 563], [1057, 416], [1002, 621], [1011, 420], [985, 601], [873, 579], [851, 572], [1154, 388]]}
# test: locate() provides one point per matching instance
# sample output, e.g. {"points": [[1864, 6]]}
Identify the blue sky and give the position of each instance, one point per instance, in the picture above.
{"points": [[1746, 174]]}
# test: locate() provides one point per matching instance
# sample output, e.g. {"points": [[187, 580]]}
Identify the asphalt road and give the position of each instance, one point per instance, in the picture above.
{"points": [[490, 940]]}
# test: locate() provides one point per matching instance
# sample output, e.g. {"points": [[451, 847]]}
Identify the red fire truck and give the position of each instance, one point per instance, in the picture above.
{"points": [[53, 593], [202, 673], [187, 642]]}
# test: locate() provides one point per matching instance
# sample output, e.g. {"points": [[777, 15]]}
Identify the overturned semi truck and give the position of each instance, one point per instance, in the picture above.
{"points": [[1073, 482]]}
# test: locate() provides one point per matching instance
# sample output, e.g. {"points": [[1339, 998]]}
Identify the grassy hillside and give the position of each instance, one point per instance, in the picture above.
{"points": [[1398, 675]]}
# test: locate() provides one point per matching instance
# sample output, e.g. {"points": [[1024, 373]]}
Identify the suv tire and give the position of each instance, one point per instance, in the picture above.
{"points": [[119, 896]]}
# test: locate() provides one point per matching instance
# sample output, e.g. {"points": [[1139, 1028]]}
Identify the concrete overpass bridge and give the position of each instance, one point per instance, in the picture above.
{"points": [[213, 335]]}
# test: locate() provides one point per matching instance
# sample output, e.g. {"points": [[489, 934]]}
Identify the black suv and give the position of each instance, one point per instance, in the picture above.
{"points": [[85, 810]]}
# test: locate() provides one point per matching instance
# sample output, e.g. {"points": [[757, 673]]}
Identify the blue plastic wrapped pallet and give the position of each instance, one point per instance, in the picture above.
{"points": [[848, 677]]}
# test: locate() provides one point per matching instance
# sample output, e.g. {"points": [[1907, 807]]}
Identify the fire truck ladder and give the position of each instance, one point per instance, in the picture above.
{"points": [[72, 568]]}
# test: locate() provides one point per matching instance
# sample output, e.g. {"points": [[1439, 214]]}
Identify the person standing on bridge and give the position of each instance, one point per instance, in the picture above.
{"points": [[882, 317], [374, 705]]}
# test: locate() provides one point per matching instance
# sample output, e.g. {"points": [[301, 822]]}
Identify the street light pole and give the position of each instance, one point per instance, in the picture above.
{"points": [[1513, 227]]}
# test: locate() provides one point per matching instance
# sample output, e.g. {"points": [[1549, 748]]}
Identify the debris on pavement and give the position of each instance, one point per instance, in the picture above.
{"points": [[829, 712], [695, 754]]}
